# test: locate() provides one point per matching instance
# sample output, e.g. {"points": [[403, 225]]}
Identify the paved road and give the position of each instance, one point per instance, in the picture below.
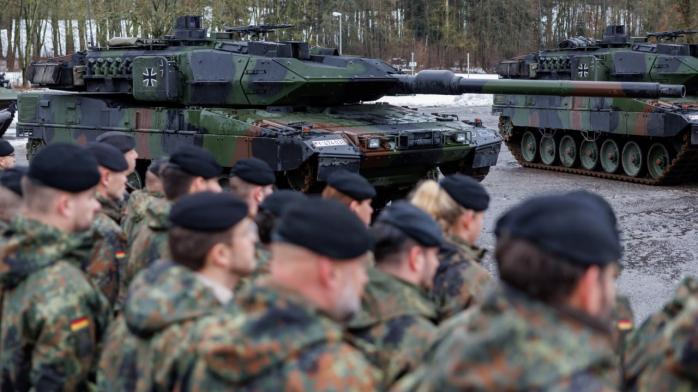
{"points": [[658, 223]]}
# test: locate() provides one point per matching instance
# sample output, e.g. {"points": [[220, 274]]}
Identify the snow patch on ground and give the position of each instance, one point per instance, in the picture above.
{"points": [[422, 100]]}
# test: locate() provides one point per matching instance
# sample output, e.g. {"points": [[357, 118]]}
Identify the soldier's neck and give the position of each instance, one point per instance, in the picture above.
{"points": [[53, 220]]}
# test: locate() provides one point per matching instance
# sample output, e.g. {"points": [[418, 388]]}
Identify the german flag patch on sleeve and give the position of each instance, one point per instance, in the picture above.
{"points": [[79, 324], [624, 325]]}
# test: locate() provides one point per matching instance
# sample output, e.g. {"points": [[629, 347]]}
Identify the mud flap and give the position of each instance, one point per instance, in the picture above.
{"points": [[486, 156]]}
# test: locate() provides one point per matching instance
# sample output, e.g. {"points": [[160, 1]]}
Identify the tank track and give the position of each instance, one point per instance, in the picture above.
{"points": [[683, 168]]}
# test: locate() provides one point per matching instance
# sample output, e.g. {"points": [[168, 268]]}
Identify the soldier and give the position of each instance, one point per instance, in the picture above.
{"points": [[270, 210], [252, 180], [458, 204], [547, 325], [190, 169], [288, 335], [7, 155], [352, 190], [212, 246], [398, 317], [106, 242], [124, 143], [138, 200], [658, 354], [10, 193], [52, 316]]}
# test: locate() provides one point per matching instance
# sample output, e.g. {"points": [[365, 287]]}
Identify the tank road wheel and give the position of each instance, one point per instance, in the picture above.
{"points": [[529, 146], [547, 150], [610, 156], [657, 160], [632, 159], [568, 151], [589, 154]]}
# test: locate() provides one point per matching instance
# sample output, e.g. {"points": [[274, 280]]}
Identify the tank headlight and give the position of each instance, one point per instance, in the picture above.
{"points": [[374, 143], [460, 138], [692, 117]]}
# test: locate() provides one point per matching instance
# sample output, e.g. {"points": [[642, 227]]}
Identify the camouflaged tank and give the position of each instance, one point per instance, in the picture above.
{"points": [[299, 109], [8, 104], [649, 141]]}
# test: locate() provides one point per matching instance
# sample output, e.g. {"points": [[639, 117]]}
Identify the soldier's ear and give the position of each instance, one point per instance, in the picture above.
{"points": [[326, 273]]}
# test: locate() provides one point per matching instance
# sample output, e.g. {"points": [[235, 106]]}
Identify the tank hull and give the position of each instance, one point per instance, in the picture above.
{"points": [[393, 147]]}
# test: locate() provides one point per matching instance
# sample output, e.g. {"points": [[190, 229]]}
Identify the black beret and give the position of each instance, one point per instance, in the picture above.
{"points": [[578, 226], [466, 191], [108, 156], [12, 178], [351, 184], [63, 166], [253, 170], [121, 140], [196, 161], [326, 227], [277, 202], [156, 165], [412, 221], [6, 148], [208, 211]]}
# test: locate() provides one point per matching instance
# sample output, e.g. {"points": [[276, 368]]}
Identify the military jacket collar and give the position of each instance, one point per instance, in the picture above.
{"points": [[506, 299], [110, 207], [460, 246], [27, 246], [164, 294], [387, 297], [157, 214]]}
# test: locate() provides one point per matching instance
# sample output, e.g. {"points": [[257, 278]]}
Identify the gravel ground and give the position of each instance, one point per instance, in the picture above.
{"points": [[657, 223]]}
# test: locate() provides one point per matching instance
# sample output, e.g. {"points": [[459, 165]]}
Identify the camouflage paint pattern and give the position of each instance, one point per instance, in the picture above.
{"points": [[52, 316], [278, 342], [460, 280], [512, 342], [149, 243], [300, 110], [672, 122], [398, 319], [147, 346]]}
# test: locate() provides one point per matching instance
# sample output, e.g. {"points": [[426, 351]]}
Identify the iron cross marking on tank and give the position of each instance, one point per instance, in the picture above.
{"points": [[583, 70], [150, 77]]}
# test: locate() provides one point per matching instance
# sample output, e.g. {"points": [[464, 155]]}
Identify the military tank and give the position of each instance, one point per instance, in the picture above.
{"points": [[649, 141], [8, 104], [300, 109]]}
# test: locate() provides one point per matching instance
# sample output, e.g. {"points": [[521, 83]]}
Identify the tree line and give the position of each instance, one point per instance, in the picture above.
{"points": [[438, 32]]}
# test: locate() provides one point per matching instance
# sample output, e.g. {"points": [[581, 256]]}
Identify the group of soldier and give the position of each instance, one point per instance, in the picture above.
{"points": [[199, 282]]}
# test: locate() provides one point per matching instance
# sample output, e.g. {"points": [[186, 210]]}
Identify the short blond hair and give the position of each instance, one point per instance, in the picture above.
{"points": [[430, 197]]}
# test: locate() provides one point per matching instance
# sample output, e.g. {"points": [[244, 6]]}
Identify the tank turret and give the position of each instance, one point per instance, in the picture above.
{"points": [[300, 109]]}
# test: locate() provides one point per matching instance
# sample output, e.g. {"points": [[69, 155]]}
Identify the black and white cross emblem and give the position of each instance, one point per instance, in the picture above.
{"points": [[150, 77], [583, 70]]}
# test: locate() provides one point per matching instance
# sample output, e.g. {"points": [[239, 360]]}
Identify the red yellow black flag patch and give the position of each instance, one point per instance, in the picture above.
{"points": [[79, 323]]}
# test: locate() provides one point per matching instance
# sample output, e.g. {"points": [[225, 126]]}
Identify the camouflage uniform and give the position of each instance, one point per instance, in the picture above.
{"points": [[279, 342], [52, 316], [262, 256], [657, 353], [135, 212], [146, 347], [397, 318], [149, 244], [106, 247], [460, 279], [512, 342], [671, 363]]}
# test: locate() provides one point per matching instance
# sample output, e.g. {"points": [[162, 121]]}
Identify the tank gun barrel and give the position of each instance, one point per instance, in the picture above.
{"points": [[446, 82]]}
